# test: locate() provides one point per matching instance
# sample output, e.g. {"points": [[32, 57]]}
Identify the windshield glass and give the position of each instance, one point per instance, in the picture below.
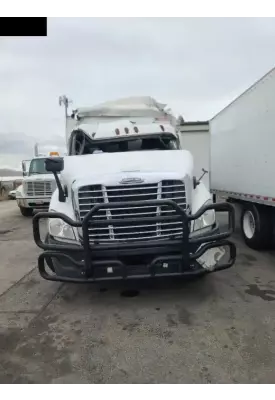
{"points": [[134, 144], [37, 166]]}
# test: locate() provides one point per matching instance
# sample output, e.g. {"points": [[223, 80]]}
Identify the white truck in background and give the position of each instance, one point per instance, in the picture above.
{"points": [[38, 184], [127, 203], [243, 159]]}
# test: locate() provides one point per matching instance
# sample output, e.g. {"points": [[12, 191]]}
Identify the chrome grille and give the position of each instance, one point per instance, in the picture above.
{"points": [[39, 189], [90, 195]]}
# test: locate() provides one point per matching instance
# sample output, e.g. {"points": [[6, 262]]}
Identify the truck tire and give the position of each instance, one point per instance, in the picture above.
{"points": [[256, 226], [26, 212]]}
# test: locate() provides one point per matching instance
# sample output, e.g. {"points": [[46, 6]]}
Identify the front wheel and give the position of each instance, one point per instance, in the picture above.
{"points": [[256, 226], [26, 212]]}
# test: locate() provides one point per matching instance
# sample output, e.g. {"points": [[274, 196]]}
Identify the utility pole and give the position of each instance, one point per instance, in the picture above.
{"points": [[36, 153]]}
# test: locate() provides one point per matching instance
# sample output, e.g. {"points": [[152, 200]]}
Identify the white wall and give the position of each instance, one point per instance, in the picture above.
{"points": [[196, 139]]}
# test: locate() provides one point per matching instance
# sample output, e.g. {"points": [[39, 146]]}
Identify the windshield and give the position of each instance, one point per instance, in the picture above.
{"points": [[133, 144], [37, 166]]}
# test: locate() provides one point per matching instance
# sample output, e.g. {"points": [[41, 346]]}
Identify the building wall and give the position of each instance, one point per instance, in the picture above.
{"points": [[195, 137]]}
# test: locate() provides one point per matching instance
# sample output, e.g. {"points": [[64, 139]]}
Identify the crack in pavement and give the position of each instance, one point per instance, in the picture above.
{"points": [[17, 282], [43, 308]]}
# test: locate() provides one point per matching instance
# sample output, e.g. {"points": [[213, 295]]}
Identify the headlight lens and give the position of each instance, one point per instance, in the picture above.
{"points": [[205, 222], [60, 230]]}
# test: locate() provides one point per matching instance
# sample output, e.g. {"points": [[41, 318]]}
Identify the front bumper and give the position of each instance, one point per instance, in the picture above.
{"points": [[36, 203], [157, 258]]}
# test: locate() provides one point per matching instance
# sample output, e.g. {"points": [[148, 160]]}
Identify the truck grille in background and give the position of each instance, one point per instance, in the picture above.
{"points": [[88, 196], [39, 188]]}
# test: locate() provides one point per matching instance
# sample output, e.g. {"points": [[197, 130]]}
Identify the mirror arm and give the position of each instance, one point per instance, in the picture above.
{"points": [[61, 194], [196, 181], [204, 172]]}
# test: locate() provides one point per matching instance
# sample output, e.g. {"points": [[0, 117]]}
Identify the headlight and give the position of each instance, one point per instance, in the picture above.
{"points": [[60, 230], [205, 222]]}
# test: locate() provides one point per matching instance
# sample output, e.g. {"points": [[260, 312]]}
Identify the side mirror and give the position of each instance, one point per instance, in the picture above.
{"points": [[25, 167], [54, 164]]}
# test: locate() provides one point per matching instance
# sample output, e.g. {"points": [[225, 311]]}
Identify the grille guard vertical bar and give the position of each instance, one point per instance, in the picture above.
{"points": [[89, 269], [220, 207]]}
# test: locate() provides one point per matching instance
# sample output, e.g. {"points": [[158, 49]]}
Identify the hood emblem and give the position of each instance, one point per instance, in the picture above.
{"points": [[131, 181]]}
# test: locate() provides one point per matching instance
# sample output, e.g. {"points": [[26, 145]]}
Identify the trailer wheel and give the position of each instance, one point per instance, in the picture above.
{"points": [[26, 212], [256, 226]]}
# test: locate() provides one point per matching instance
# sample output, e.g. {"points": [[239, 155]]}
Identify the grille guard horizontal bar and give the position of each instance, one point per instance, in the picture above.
{"points": [[185, 218], [151, 268], [86, 249]]}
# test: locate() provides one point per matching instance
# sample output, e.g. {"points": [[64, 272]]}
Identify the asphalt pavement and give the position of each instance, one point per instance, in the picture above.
{"points": [[219, 329]]}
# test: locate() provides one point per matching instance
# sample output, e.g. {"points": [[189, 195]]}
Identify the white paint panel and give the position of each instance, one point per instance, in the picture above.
{"points": [[198, 143], [70, 124], [137, 163], [243, 142]]}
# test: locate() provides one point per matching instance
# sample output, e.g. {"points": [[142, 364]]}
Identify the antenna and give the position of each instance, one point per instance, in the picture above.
{"points": [[64, 101]]}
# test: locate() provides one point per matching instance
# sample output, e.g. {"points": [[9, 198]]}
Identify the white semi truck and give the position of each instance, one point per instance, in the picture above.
{"points": [[37, 186], [243, 162], [127, 204]]}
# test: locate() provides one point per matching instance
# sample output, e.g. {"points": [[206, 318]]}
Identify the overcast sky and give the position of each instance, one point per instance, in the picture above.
{"points": [[195, 65]]}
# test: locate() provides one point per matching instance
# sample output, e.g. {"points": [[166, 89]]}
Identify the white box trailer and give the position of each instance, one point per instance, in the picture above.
{"points": [[243, 159], [195, 137]]}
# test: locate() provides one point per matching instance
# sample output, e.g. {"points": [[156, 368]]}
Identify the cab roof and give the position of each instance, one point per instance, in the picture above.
{"points": [[126, 128], [135, 106]]}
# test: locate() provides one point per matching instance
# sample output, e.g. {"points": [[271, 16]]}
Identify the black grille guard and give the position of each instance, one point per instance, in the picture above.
{"points": [[88, 264]]}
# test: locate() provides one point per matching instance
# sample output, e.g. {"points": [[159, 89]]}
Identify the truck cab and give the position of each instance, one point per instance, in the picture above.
{"points": [[37, 186], [127, 204]]}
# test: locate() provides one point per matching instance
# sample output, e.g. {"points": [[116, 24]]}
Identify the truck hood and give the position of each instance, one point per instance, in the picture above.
{"points": [[39, 177], [108, 167]]}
